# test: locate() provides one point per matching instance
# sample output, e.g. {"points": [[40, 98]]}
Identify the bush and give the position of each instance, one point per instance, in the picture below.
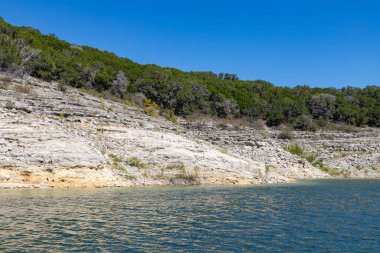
{"points": [[116, 160], [267, 168], [322, 106], [332, 171], [186, 176], [102, 104], [135, 162], [136, 100], [321, 122], [62, 115], [295, 150], [26, 89], [275, 118], [120, 85], [258, 124], [285, 135], [310, 158], [151, 108], [171, 116], [305, 123], [62, 86], [179, 167]]}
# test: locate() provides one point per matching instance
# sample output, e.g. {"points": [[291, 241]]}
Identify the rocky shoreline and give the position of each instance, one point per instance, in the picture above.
{"points": [[51, 137]]}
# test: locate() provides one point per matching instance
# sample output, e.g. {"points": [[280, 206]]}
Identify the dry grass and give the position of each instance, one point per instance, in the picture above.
{"points": [[341, 128], [5, 82], [26, 88], [136, 162], [151, 108], [179, 174]]}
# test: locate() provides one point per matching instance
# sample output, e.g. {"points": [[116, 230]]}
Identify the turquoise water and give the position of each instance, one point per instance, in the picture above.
{"points": [[317, 216]]}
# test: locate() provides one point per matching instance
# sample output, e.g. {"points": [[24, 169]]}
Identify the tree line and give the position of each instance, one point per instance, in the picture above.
{"points": [[25, 51]]}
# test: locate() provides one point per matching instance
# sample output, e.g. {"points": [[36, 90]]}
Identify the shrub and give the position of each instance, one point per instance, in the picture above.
{"points": [[115, 158], [27, 89], [258, 124], [275, 118], [179, 167], [359, 167], [321, 122], [120, 167], [136, 162], [310, 158], [186, 176], [120, 85], [285, 135], [129, 103], [295, 150], [91, 92], [322, 105], [330, 170], [178, 173], [170, 115], [62, 86], [304, 123], [136, 100], [62, 115], [102, 105], [267, 169], [151, 108]]}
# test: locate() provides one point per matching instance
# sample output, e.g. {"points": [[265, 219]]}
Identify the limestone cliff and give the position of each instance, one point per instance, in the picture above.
{"points": [[55, 138]]}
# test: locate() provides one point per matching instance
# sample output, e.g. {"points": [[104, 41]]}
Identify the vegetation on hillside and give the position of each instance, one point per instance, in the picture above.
{"points": [[24, 50]]}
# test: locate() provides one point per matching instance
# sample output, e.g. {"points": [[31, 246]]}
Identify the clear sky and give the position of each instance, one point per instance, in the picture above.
{"points": [[316, 42]]}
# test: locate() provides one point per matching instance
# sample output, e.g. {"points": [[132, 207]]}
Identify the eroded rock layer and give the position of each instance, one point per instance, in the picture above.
{"points": [[54, 138]]}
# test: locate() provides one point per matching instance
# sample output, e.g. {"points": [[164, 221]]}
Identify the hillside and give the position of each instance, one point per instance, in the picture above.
{"points": [[25, 51], [76, 116], [55, 137]]}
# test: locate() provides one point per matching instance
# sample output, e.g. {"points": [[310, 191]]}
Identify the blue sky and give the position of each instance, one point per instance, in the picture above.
{"points": [[314, 42]]}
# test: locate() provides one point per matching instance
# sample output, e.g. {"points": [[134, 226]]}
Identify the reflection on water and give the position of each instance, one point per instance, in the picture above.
{"points": [[317, 216]]}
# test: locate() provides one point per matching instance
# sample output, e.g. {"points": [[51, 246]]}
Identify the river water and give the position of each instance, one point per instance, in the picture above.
{"points": [[317, 216]]}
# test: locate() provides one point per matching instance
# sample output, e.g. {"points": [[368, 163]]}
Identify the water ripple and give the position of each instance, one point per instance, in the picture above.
{"points": [[320, 216]]}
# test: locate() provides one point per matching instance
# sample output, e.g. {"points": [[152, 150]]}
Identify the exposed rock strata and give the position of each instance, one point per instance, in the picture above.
{"points": [[50, 138]]}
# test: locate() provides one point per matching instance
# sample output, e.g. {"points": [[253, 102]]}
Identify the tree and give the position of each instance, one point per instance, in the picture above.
{"points": [[322, 106], [16, 56], [275, 118], [304, 123], [222, 106], [24, 50], [120, 85], [91, 76]]}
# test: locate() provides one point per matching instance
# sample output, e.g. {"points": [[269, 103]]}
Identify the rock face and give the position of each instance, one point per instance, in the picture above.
{"points": [[355, 155], [339, 154], [53, 138]]}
